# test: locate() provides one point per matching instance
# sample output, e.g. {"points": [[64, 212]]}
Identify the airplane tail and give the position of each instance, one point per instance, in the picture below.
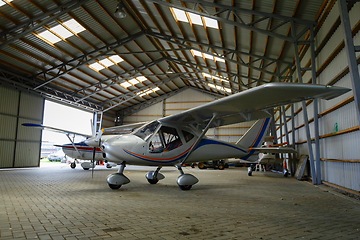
{"points": [[254, 137]]}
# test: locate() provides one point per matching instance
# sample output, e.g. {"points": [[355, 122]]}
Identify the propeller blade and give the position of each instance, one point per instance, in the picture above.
{"points": [[93, 162]]}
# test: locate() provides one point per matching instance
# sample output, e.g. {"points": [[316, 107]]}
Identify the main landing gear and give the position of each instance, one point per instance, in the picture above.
{"points": [[185, 181], [115, 180], [154, 176]]}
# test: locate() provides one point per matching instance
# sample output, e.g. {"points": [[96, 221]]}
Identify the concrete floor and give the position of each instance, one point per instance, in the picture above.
{"points": [[56, 202]]}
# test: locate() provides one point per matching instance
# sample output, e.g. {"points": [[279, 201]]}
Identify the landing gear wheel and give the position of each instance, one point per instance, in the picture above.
{"points": [[249, 171], [114, 187], [286, 173], [185, 187], [86, 168], [108, 166], [221, 167], [201, 165], [73, 165], [153, 181]]}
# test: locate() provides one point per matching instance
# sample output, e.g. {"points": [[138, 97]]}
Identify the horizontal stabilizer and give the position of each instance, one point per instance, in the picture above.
{"points": [[274, 149]]}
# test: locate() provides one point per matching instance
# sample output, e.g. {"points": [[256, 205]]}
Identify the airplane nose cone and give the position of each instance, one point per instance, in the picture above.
{"points": [[92, 142]]}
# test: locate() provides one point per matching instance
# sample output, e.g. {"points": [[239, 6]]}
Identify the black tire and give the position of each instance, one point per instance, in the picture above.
{"points": [[152, 181], [185, 187], [73, 165], [86, 168], [250, 173], [108, 166], [114, 186], [201, 166]]}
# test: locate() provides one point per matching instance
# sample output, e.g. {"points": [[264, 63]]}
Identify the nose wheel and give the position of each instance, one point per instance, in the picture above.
{"points": [[185, 181], [116, 180]]}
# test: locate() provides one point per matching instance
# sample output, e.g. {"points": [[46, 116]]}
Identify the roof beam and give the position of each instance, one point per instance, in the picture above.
{"points": [[228, 56], [229, 10], [21, 30], [104, 84], [27, 84], [74, 63]]}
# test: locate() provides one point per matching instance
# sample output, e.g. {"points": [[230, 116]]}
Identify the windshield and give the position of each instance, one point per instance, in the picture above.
{"points": [[147, 130]]}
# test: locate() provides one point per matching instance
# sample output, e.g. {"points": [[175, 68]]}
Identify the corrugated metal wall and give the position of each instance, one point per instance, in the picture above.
{"points": [[341, 148], [20, 146], [183, 101]]}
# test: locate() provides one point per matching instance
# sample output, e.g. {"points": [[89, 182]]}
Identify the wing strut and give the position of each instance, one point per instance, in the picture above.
{"points": [[199, 138], [72, 142]]}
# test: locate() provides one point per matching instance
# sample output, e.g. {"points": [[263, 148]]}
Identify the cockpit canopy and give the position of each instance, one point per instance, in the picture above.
{"points": [[164, 138]]}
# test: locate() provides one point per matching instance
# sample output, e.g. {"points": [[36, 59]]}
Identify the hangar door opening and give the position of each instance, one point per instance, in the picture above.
{"points": [[62, 117]]}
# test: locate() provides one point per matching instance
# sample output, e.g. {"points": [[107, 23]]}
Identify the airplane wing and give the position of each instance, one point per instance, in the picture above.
{"points": [[253, 103], [275, 150], [123, 128], [58, 130]]}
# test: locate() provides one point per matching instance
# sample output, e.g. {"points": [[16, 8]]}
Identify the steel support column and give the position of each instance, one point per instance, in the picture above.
{"points": [[304, 110], [350, 52], [316, 112]]}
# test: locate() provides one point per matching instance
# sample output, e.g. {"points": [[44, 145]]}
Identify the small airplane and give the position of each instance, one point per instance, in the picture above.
{"points": [[180, 138]]}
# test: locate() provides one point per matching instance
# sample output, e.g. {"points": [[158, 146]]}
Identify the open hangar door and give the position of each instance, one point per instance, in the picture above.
{"points": [[20, 147]]}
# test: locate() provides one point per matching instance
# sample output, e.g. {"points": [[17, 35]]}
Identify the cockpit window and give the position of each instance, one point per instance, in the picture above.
{"points": [[166, 139], [188, 136], [147, 130]]}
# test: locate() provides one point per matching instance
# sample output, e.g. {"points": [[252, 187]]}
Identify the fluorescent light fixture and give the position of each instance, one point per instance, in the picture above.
{"points": [[61, 31], [96, 66], [180, 15], [209, 22], [125, 84], [116, 59], [195, 18], [106, 62], [74, 26], [156, 89], [49, 37]]}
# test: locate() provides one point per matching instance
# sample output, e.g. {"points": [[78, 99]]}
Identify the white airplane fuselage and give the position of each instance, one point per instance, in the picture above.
{"points": [[83, 152], [134, 150]]}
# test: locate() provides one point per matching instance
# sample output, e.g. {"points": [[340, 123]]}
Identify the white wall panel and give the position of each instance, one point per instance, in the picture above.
{"points": [[19, 145], [9, 100], [7, 150], [8, 127], [27, 154]]}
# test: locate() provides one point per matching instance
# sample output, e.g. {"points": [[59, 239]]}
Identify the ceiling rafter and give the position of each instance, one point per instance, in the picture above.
{"points": [[20, 30], [229, 56], [240, 22]]}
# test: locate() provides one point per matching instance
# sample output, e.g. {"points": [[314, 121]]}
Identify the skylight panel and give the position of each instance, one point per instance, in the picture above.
{"points": [[217, 59], [3, 3], [209, 22], [141, 78], [221, 88], [156, 89], [74, 26], [180, 15], [196, 53], [116, 59], [96, 66], [49, 37], [195, 18], [125, 84], [208, 56], [106, 62], [133, 81], [61, 31]]}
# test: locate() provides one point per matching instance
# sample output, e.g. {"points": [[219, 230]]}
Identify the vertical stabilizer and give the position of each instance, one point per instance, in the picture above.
{"points": [[254, 137]]}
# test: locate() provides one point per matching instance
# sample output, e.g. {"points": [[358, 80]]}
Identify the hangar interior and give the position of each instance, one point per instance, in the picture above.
{"points": [[140, 60]]}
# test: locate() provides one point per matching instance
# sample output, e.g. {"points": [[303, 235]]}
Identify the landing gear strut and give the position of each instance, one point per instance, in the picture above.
{"points": [[154, 176], [185, 181], [115, 180]]}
